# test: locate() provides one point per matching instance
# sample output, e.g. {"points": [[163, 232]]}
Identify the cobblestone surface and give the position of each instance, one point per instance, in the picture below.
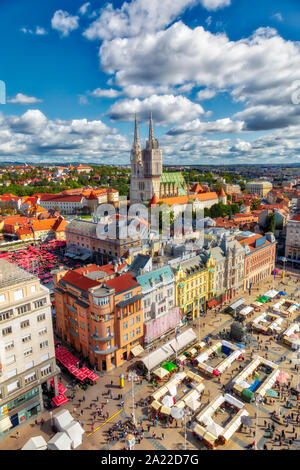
{"points": [[212, 324]]}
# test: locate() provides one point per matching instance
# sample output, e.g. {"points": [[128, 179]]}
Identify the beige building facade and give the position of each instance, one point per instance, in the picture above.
{"points": [[27, 355]]}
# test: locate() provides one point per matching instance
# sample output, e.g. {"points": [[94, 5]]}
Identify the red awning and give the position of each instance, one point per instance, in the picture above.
{"points": [[93, 377], [212, 303], [60, 400]]}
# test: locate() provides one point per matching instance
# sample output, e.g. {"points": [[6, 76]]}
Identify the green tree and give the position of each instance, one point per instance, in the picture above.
{"points": [[255, 203], [270, 223]]}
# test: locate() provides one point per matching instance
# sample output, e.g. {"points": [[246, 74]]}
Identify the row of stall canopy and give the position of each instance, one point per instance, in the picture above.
{"points": [[162, 354], [241, 380], [233, 353], [239, 305], [208, 430], [169, 391], [69, 435], [70, 362]]}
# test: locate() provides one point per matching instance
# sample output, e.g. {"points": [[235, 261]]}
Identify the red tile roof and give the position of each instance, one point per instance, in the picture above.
{"points": [[80, 281], [122, 283]]}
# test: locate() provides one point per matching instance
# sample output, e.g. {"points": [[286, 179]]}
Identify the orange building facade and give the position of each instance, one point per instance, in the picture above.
{"points": [[99, 313], [259, 258]]}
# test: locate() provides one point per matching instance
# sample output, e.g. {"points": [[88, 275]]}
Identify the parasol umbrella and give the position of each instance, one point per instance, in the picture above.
{"points": [[168, 401], [246, 421], [177, 413], [173, 391], [282, 379], [271, 393]]}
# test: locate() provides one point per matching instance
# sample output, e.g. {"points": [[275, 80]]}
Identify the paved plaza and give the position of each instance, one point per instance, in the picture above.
{"points": [[171, 437]]}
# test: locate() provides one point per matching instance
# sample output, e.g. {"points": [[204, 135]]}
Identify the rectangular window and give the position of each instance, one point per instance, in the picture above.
{"points": [[128, 296], [138, 331], [10, 359], [9, 346], [33, 289], [45, 357], [44, 344], [18, 294], [29, 378], [24, 324], [12, 373], [27, 352], [41, 317], [6, 331], [125, 325], [132, 334], [23, 309], [43, 332], [27, 338], [40, 303], [6, 315], [2, 298], [13, 386], [125, 338], [131, 321], [29, 365], [46, 370]]}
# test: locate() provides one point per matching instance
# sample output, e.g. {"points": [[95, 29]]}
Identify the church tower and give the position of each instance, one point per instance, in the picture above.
{"points": [[146, 167]]}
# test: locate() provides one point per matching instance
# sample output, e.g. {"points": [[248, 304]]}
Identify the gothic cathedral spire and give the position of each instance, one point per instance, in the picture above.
{"points": [[136, 151]]}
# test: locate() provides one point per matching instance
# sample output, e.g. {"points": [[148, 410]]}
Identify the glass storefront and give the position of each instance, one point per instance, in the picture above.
{"points": [[22, 399]]}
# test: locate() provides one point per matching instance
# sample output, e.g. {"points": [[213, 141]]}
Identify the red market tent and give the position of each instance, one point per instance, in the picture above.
{"points": [[60, 400]]}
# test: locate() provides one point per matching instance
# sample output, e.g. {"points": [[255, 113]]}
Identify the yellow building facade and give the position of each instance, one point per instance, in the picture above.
{"points": [[195, 283]]}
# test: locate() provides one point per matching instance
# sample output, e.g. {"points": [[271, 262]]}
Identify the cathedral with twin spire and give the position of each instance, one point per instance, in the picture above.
{"points": [[148, 181]]}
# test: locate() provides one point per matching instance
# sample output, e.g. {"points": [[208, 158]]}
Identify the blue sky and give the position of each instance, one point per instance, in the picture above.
{"points": [[221, 78]]}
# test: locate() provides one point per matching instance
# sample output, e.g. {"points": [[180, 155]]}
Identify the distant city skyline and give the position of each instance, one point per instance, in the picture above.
{"points": [[222, 78]]}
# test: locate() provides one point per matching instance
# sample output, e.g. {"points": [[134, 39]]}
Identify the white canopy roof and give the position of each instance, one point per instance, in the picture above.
{"points": [[60, 441], [215, 429], [35, 443], [62, 419], [246, 310], [233, 401], [162, 354], [75, 433], [193, 404], [237, 303], [271, 293]]}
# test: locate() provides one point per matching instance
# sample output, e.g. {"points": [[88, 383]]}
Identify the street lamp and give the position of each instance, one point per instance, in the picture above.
{"points": [[185, 414], [257, 402], [296, 360]]}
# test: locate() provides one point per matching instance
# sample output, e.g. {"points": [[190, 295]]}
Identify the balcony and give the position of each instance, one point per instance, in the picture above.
{"points": [[106, 338], [104, 352], [71, 308]]}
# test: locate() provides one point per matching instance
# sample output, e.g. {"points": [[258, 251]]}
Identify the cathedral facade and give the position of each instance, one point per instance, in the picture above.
{"points": [[147, 178]]}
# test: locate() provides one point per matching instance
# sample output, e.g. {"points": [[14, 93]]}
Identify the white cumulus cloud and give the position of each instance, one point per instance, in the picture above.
{"points": [[20, 98], [63, 22], [166, 109]]}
